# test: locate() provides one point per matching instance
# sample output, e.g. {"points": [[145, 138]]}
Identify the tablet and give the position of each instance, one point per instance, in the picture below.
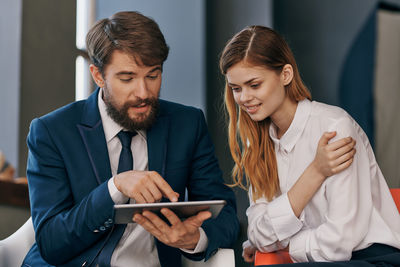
{"points": [[124, 212]]}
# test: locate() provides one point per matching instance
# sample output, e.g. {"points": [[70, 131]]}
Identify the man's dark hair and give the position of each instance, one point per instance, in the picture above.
{"points": [[129, 32]]}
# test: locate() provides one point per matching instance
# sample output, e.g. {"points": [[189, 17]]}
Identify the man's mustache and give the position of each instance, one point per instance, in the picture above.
{"points": [[140, 102]]}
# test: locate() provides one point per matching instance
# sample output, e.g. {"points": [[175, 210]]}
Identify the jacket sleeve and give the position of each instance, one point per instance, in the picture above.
{"points": [[206, 183], [64, 228]]}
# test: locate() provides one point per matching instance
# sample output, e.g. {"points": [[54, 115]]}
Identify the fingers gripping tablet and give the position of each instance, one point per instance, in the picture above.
{"points": [[124, 212]]}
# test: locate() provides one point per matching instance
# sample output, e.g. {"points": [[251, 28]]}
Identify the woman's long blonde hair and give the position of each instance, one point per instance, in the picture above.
{"points": [[254, 155]]}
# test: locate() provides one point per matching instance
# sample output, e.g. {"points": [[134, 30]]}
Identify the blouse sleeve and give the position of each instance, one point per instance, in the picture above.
{"points": [[271, 224], [348, 195]]}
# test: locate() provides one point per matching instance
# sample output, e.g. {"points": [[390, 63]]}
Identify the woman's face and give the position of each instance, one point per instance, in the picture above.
{"points": [[257, 90]]}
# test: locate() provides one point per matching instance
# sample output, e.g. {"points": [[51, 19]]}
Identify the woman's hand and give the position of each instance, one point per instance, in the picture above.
{"points": [[329, 160], [249, 252], [333, 158]]}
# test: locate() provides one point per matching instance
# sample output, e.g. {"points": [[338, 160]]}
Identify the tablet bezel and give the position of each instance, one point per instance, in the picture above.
{"points": [[125, 212]]}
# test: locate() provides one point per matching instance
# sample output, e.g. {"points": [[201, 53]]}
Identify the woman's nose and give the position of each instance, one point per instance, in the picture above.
{"points": [[245, 96]]}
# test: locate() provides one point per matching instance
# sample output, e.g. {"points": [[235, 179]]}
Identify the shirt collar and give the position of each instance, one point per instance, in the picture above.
{"points": [[111, 128], [292, 135]]}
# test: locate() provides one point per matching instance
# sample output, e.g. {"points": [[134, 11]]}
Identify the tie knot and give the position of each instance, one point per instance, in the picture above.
{"points": [[126, 137]]}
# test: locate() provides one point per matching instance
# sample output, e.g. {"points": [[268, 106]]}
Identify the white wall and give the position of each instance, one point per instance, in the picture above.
{"points": [[387, 95], [10, 42]]}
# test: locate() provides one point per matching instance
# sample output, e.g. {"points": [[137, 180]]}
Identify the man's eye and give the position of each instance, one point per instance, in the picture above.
{"points": [[126, 80], [152, 77]]}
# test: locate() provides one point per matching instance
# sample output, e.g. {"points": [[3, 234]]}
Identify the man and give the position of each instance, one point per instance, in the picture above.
{"points": [[124, 144]]}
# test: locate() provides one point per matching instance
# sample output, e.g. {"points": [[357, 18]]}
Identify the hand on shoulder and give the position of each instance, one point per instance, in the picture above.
{"points": [[332, 158]]}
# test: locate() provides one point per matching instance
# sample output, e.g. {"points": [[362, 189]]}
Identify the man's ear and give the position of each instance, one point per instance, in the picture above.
{"points": [[287, 74], [96, 75]]}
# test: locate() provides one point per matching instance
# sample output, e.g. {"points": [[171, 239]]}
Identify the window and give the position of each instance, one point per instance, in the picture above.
{"points": [[85, 17]]}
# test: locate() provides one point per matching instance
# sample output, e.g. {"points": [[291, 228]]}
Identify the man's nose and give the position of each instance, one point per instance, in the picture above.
{"points": [[141, 89]]}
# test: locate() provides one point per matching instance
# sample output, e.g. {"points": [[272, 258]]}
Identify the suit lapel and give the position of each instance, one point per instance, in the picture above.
{"points": [[92, 132], [157, 139], [157, 144]]}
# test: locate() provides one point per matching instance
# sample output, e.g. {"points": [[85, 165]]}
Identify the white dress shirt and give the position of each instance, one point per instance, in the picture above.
{"points": [[136, 247], [350, 211]]}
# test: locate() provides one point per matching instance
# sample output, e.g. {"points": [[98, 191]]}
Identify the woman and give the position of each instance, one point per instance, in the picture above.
{"points": [[293, 205]]}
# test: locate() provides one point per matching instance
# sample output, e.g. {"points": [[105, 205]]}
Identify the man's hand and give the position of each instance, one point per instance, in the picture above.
{"points": [[180, 234], [144, 186]]}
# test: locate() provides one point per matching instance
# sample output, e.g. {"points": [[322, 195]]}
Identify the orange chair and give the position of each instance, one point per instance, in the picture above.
{"points": [[278, 257], [282, 257], [396, 196]]}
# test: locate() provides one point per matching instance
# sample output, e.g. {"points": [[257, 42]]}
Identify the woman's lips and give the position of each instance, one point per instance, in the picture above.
{"points": [[251, 109]]}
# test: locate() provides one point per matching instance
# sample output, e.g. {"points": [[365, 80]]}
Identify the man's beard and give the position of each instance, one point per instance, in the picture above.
{"points": [[121, 116]]}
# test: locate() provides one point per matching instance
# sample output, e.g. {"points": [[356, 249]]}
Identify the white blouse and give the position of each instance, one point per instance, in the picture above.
{"points": [[350, 211]]}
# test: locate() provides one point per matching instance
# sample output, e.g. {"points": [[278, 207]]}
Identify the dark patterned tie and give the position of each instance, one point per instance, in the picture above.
{"points": [[125, 158], [125, 164]]}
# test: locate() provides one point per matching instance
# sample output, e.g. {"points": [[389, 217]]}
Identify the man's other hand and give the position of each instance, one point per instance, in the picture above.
{"points": [[180, 234]]}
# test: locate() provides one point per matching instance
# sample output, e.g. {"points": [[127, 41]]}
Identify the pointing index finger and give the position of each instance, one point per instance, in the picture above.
{"points": [[165, 188]]}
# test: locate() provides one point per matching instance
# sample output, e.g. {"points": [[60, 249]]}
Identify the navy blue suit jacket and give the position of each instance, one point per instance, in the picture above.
{"points": [[68, 169]]}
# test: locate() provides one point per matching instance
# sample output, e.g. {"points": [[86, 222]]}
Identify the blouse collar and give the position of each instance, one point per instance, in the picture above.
{"points": [[296, 128]]}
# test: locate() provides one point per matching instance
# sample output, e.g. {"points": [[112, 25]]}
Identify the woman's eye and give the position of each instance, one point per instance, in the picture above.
{"points": [[255, 85], [235, 89]]}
